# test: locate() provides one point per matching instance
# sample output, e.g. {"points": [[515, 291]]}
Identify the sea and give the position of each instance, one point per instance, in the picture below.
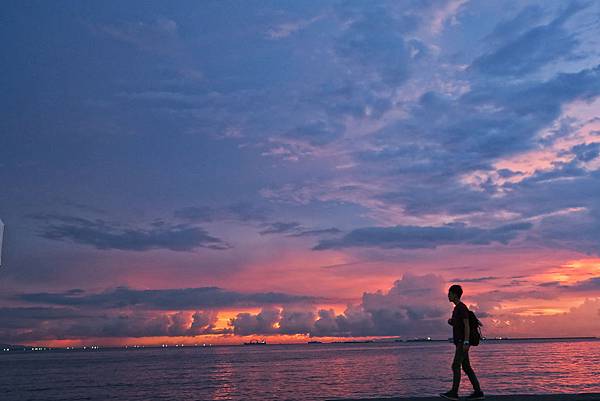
{"points": [[296, 372]]}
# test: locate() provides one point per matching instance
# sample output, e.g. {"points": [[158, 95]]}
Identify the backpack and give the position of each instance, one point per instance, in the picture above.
{"points": [[474, 329]]}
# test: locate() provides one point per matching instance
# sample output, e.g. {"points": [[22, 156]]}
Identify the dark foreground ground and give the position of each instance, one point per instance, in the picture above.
{"points": [[524, 397]]}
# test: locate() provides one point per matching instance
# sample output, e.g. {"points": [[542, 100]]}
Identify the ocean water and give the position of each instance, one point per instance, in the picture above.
{"points": [[296, 372]]}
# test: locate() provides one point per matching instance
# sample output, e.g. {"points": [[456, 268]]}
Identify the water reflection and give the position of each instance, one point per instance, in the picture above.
{"points": [[299, 372], [224, 384]]}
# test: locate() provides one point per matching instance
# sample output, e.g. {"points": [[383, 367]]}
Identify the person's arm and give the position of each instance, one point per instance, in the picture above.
{"points": [[467, 334]]}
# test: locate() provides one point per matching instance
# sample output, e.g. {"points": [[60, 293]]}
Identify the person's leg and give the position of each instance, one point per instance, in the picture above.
{"points": [[456, 364], [466, 365]]}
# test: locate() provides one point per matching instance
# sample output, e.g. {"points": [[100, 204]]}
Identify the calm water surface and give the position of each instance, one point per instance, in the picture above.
{"points": [[295, 372]]}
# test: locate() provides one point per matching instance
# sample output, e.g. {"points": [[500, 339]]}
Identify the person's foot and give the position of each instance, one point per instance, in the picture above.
{"points": [[449, 395], [476, 395]]}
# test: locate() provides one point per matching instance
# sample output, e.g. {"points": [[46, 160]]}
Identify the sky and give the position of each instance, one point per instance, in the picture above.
{"points": [[218, 171]]}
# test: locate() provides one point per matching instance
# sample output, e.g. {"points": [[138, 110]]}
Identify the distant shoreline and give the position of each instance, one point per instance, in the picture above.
{"points": [[541, 338], [7, 348]]}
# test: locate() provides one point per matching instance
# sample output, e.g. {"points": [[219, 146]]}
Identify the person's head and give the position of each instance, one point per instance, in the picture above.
{"points": [[454, 293]]}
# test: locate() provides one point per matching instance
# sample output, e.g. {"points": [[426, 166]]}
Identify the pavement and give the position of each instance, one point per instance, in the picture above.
{"points": [[493, 397]]}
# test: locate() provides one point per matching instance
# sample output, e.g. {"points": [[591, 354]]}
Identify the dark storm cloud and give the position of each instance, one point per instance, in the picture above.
{"points": [[19, 317], [414, 237], [168, 299], [531, 49], [105, 235], [139, 324], [125, 312]]}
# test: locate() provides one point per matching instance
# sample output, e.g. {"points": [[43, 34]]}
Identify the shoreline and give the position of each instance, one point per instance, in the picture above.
{"points": [[509, 397], [6, 348]]}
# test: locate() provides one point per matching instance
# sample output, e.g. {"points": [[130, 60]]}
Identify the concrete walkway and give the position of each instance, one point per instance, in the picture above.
{"points": [[524, 397]]}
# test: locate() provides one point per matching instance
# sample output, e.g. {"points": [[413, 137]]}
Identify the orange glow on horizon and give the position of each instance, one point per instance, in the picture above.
{"points": [[531, 268], [197, 341], [571, 272]]}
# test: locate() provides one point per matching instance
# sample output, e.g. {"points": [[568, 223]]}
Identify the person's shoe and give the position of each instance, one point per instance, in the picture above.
{"points": [[449, 395], [476, 395]]}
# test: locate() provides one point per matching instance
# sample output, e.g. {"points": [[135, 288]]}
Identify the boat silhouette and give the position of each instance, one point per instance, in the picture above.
{"points": [[256, 342]]}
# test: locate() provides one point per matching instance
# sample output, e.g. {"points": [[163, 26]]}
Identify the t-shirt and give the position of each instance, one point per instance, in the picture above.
{"points": [[459, 313]]}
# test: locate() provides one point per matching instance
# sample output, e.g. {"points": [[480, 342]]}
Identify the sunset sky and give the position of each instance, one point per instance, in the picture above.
{"points": [[216, 171]]}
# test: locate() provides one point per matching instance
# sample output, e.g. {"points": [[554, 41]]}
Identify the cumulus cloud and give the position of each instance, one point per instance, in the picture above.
{"points": [[296, 321], [125, 312], [582, 320], [415, 305], [413, 237], [105, 235], [203, 322], [261, 323]]}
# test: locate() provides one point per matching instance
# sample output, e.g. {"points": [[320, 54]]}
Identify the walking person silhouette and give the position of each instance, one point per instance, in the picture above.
{"points": [[460, 336]]}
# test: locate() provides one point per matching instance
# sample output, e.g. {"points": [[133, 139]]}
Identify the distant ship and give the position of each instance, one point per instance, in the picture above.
{"points": [[420, 339], [256, 342], [315, 342]]}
